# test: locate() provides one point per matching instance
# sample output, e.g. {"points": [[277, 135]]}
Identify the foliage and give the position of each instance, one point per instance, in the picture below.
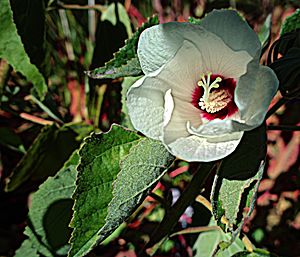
{"points": [[49, 151], [50, 214], [207, 243], [134, 164], [65, 191], [291, 23], [12, 50], [125, 62], [235, 185]]}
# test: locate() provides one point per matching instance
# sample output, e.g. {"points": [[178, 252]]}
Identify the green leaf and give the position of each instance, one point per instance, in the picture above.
{"points": [[50, 213], [145, 164], [127, 83], [11, 140], [116, 171], [47, 154], [194, 20], [131, 68], [265, 30], [256, 253], [237, 181], [26, 249], [30, 14], [245, 161], [12, 50], [110, 15], [125, 61], [208, 242], [99, 165], [45, 109], [291, 23], [232, 192], [81, 129]]}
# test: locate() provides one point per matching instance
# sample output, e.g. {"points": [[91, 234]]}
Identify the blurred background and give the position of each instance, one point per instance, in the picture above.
{"points": [[64, 39]]}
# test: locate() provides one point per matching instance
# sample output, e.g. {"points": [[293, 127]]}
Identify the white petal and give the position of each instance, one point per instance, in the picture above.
{"points": [[159, 44], [145, 103], [233, 30], [183, 71], [146, 98], [213, 128], [254, 93], [169, 107], [176, 127], [194, 148]]}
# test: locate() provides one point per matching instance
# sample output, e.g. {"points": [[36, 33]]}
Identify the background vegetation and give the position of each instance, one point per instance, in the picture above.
{"points": [[46, 113]]}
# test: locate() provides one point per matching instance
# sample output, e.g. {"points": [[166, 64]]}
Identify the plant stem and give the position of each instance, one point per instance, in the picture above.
{"points": [[4, 70], [100, 96], [207, 204], [196, 230], [158, 198], [284, 127], [187, 197], [247, 243], [96, 7], [44, 108]]}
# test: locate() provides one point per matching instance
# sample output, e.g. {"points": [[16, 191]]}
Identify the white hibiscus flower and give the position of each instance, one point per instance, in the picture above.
{"points": [[203, 86]]}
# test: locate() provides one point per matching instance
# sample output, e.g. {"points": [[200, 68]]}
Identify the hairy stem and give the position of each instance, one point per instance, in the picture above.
{"points": [[174, 213]]}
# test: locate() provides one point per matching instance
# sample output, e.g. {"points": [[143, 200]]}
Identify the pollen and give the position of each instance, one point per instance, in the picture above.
{"points": [[217, 101], [212, 101]]}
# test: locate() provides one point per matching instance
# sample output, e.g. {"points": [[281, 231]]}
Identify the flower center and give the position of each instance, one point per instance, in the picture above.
{"points": [[213, 101]]}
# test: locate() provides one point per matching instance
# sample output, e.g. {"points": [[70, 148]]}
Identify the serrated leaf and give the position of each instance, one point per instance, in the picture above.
{"points": [[50, 213], [12, 50], [208, 242], [145, 164], [26, 249], [194, 20], [125, 62], [99, 165], [117, 170], [47, 154], [131, 68], [237, 181], [231, 195], [291, 23]]}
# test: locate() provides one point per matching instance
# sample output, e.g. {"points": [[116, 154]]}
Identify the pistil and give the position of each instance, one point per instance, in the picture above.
{"points": [[212, 101]]}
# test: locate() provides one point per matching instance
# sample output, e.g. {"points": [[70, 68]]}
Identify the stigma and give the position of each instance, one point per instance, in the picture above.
{"points": [[212, 101]]}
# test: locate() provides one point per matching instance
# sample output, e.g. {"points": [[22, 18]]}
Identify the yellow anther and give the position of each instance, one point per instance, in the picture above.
{"points": [[212, 101]]}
